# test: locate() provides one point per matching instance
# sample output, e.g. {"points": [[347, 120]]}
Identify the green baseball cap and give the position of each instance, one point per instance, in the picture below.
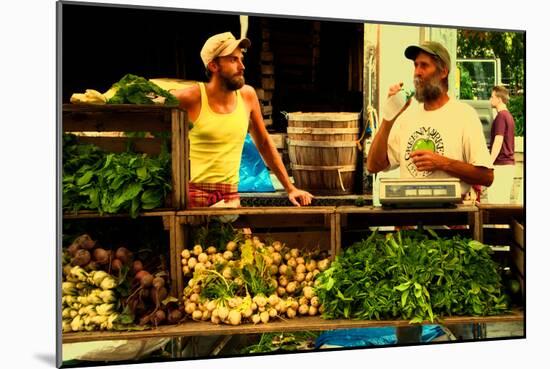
{"points": [[432, 48]]}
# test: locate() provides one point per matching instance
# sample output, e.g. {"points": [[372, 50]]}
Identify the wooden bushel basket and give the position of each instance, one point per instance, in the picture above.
{"points": [[323, 151]]}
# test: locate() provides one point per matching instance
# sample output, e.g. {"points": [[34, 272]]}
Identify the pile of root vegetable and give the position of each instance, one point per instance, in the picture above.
{"points": [[247, 281], [105, 289]]}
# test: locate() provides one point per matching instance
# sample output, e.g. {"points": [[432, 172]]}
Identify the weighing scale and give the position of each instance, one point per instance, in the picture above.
{"points": [[419, 192]]}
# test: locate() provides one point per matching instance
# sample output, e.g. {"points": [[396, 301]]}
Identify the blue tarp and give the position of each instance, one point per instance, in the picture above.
{"points": [[361, 337], [254, 176]]}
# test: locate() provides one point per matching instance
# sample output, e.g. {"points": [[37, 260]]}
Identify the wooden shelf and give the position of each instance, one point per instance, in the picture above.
{"points": [[501, 213], [115, 107], [87, 214], [277, 210], [387, 210], [290, 325]]}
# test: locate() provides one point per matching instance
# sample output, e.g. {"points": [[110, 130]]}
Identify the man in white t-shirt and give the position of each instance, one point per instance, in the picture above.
{"points": [[438, 138]]}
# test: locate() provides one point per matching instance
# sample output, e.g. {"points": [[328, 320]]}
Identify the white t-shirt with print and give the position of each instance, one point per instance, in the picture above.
{"points": [[453, 131]]}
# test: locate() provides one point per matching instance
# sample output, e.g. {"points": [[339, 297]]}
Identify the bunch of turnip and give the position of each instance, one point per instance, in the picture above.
{"points": [[89, 300], [143, 298], [250, 282], [89, 255], [149, 299]]}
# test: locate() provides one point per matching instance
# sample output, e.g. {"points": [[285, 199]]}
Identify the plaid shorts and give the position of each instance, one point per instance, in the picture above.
{"points": [[203, 195]]}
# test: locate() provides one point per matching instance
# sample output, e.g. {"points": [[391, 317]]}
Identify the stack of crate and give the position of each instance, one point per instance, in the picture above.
{"points": [[265, 94]]}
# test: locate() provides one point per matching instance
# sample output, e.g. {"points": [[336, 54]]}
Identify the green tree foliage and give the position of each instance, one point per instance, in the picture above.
{"points": [[466, 85], [509, 47], [516, 108]]}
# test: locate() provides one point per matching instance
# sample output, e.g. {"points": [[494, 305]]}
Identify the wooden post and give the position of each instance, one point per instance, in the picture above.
{"points": [[175, 264], [185, 165], [337, 235], [179, 238], [476, 225], [176, 116]]}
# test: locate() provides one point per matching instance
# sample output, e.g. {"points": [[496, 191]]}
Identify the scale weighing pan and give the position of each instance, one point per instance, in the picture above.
{"points": [[419, 192]]}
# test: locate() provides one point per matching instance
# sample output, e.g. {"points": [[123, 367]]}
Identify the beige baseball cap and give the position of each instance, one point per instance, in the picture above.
{"points": [[221, 44], [432, 48]]}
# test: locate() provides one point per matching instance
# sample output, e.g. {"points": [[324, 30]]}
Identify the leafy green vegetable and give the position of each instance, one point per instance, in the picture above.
{"points": [[284, 341], [412, 275], [113, 183], [132, 89]]}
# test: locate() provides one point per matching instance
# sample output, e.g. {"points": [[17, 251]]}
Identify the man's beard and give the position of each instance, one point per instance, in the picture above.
{"points": [[233, 83], [429, 90]]}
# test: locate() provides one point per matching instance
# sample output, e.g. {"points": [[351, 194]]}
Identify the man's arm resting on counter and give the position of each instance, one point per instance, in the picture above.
{"points": [[426, 160]]}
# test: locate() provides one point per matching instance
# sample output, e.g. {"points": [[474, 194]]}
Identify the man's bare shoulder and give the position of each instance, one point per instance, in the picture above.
{"points": [[188, 96], [248, 92]]}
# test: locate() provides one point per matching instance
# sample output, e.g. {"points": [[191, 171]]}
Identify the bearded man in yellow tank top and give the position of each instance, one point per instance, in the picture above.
{"points": [[223, 110]]}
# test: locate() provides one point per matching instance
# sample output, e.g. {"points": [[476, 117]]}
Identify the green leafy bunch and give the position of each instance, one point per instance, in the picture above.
{"points": [[113, 183], [132, 89], [283, 341], [412, 275]]}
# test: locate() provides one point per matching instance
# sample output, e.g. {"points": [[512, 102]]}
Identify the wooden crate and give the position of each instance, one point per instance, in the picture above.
{"points": [[462, 219], [112, 231], [306, 228], [104, 126], [503, 224], [518, 251]]}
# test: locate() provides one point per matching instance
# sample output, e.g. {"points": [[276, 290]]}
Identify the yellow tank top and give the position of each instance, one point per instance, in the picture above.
{"points": [[216, 142]]}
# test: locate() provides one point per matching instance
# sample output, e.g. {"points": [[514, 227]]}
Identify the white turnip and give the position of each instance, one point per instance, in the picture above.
{"points": [[273, 299], [277, 258], [197, 249], [283, 281], [291, 287], [303, 309], [292, 263], [290, 312], [190, 307], [196, 315], [202, 258], [301, 268], [264, 316], [191, 262], [228, 255], [234, 317], [223, 312], [231, 246], [314, 301]]}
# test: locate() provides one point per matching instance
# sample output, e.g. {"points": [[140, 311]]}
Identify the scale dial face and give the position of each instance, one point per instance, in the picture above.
{"points": [[413, 190], [399, 191]]}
